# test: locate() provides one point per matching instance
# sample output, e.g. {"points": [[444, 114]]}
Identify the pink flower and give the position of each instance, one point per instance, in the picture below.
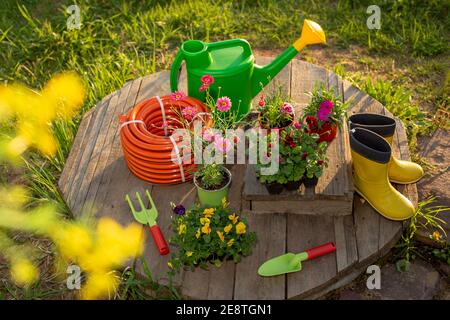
{"points": [[177, 96], [328, 104], [222, 145], [223, 104], [287, 108], [189, 112], [297, 125], [203, 88], [208, 135], [207, 80], [324, 110]]}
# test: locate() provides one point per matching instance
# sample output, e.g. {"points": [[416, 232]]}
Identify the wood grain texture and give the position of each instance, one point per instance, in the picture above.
{"points": [[302, 234], [271, 233]]}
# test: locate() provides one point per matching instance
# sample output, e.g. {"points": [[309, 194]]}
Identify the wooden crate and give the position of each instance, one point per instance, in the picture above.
{"points": [[333, 195]]}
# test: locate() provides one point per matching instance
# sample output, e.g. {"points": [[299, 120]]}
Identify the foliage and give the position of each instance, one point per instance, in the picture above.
{"points": [[300, 156], [211, 176], [443, 254], [319, 96], [271, 110], [212, 235], [97, 250], [426, 217]]}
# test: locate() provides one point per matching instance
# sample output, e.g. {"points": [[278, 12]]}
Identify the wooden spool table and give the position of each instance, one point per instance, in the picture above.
{"points": [[96, 179]]}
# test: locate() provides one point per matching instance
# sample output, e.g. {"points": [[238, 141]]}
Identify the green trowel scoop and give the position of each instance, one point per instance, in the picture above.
{"points": [[291, 262]]}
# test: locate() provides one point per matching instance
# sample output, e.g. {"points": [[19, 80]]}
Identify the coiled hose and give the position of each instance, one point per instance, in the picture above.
{"points": [[145, 135]]}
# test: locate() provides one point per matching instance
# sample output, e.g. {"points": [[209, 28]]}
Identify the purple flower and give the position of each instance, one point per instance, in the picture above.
{"points": [[179, 209], [297, 125]]}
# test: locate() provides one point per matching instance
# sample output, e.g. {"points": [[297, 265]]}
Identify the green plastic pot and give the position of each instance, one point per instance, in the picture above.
{"points": [[213, 198]]}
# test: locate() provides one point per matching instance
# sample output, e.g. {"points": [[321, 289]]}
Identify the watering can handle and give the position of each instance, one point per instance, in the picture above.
{"points": [[174, 72], [238, 42]]}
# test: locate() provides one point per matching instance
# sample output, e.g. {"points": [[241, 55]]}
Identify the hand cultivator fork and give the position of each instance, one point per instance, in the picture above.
{"points": [[149, 216]]}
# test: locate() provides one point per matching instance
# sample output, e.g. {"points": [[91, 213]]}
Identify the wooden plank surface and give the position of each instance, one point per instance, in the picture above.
{"points": [[303, 234], [103, 178], [271, 233], [345, 240]]}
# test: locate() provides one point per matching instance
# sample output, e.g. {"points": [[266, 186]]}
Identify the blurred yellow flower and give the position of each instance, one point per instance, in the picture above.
{"points": [[206, 229], [241, 228], [198, 234], [233, 217], [189, 253], [66, 91], [228, 228], [99, 285], [182, 228], [13, 197], [73, 240], [220, 234], [204, 221], [24, 272], [34, 113], [230, 242], [170, 265]]}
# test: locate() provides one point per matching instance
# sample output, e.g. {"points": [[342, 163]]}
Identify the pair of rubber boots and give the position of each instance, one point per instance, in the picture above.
{"points": [[374, 166]]}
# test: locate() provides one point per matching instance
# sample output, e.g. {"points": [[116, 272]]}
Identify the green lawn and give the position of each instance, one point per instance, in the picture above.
{"points": [[405, 64]]}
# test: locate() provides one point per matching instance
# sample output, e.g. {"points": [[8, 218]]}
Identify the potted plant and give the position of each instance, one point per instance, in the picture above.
{"points": [[213, 179], [304, 157], [208, 235], [324, 113], [213, 184], [275, 111]]}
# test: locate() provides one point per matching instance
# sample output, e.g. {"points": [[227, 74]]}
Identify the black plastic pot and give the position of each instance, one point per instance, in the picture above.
{"points": [[310, 182], [274, 187], [293, 185]]}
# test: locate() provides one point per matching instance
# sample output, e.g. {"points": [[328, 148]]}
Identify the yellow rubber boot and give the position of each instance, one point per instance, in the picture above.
{"points": [[400, 171], [370, 156]]}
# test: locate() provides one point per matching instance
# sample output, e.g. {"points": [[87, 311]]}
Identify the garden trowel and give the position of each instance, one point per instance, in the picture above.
{"points": [[149, 216], [291, 262]]}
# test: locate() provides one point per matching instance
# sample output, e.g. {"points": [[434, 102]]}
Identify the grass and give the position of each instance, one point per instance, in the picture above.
{"points": [[405, 64]]}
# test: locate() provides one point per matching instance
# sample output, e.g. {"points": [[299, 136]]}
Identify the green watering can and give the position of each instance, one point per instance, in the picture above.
{"points": [[233, 67]]}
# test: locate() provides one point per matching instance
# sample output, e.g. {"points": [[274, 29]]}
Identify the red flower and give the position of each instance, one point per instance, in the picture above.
{"points": [[304, 156], [289, 141], [320, 162]]}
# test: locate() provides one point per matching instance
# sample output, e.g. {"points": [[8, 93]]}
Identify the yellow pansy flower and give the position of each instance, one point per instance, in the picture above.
{"points": [[208, 212], [204, 221], [230, 242], [233, 217], [436, 236], [228, 228], [206, 229], [182, 228], [241, 228], [189, 253], [220, 234], [198, 234], [225, 203]]}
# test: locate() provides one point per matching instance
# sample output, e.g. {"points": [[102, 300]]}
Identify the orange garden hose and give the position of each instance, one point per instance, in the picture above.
{"points": [[147, 145]]}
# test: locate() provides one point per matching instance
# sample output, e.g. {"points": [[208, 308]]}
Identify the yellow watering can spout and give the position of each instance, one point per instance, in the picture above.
{"points": [[312, 33]]}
